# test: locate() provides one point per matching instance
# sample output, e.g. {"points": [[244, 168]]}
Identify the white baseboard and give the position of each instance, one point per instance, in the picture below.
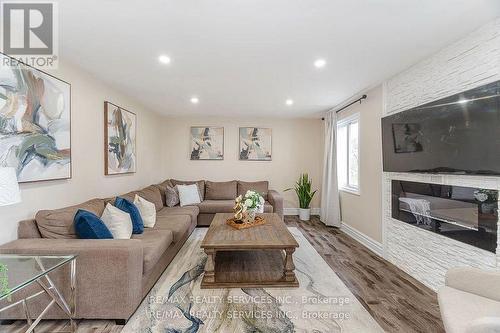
{"points": [[295, 211], [370, 243]]}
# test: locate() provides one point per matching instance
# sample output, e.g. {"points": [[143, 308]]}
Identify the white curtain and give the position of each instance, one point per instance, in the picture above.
{"points": [[330, 202]]}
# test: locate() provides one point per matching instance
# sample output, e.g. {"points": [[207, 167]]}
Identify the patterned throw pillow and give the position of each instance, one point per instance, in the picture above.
{"points": [[171, 196]]}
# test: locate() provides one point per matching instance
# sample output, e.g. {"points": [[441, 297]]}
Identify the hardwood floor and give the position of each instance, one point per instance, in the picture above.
{"points": [[397, 301], [56, 326]]}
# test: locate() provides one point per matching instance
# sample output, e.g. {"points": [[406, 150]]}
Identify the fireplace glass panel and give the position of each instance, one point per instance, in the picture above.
{"points": [[466, 214]]}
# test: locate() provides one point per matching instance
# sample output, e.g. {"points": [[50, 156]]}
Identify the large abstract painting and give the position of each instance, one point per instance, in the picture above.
{"points": [[120, 133], [255, 144], [35, 122], [207, 143]]}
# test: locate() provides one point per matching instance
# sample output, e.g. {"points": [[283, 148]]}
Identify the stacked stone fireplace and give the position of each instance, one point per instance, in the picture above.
{"points": [[465, 64], [427, 255]]}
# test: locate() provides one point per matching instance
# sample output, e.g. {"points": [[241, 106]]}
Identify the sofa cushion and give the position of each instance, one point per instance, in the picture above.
{"points": [[459, 308], [225, 206], [154, 244], [200, 183], [221, 190], [178, 224], [28, 229], [192, 211], [261, 187], [128, 196], [58, 223], [151, 194], [166, 183]]}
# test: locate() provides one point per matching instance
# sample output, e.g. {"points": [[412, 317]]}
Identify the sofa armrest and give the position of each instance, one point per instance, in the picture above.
{"points": [[483, 325], [276, 200], [108, 272], [475, 281]]}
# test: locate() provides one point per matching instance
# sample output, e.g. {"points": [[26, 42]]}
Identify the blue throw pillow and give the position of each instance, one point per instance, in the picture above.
{"points": [[135, 215], [90, 226]]}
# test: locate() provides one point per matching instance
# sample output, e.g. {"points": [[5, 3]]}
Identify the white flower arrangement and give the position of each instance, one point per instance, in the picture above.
{"points": [[482, 197], [250, 201]]}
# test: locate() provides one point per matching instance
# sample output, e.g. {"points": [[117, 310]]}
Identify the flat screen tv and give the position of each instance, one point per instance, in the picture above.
{"points": [[459, 134]]}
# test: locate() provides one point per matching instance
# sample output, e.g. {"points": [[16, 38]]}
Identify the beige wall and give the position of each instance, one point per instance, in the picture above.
{"points": [[88, 96], [163, 151], [297, 147], [364, 212]]}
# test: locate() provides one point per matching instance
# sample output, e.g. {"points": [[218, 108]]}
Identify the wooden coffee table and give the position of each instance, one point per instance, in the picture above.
{"points": [[260, 256]]}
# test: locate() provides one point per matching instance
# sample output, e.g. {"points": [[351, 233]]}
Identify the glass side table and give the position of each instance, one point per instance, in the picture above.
{"points": [[19, 271]]}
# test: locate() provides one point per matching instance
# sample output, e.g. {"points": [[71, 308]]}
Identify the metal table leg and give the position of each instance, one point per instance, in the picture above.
{"points": [[72, 297], [57, 298]]}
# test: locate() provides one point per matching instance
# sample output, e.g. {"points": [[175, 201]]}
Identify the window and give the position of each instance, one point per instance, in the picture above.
{"points": [[348, 154]]}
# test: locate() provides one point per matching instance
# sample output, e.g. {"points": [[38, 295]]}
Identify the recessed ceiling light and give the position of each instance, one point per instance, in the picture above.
{"points": [[164, 59], [320, 63], [195, 100], [289, 102]]}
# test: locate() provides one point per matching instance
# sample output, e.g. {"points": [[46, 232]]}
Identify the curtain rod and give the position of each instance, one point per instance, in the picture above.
{"points": [[348, 105]]}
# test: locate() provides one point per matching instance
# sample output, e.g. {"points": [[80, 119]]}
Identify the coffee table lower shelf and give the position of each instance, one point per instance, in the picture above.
{"points": [[249, 269]]}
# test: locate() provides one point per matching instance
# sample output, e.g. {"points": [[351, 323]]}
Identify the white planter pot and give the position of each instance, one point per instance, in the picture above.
{"points": [[304, 214]]}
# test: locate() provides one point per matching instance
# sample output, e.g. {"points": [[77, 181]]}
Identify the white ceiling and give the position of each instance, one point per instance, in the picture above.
{"points": [[247, 57]]}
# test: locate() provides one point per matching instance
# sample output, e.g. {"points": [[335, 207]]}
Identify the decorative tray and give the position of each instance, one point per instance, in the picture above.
{"points": [[259, 220]]}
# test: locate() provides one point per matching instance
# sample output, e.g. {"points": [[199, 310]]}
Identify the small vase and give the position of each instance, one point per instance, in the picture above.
{"points": [[487, 207], [304, 214], [250, 215]]}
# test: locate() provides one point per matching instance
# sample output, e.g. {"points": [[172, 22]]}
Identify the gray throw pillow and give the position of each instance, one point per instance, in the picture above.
{"points": [[171, 196]]}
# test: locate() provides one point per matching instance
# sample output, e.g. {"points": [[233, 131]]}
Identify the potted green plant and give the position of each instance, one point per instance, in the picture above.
{"points": [[303, 189], [4, 280]]}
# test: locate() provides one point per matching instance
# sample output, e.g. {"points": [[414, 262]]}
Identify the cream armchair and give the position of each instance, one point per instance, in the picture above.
{"points": [[470, 301]]}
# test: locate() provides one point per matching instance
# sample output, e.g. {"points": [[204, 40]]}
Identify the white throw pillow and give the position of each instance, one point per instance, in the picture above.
{"points": [[147, 210], [118, 222], [188, 194]]}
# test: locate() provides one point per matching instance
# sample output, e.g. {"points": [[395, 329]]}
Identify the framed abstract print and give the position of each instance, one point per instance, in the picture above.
{"points": [[255, 144], [120, 149], [207, 143], [35, 122]]}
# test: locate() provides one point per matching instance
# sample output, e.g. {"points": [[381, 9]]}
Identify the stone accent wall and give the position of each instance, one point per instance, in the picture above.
{"points": [[468, 63]]}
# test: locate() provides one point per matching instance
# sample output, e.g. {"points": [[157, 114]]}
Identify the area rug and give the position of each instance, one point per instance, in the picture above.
{"points": [[322, 303]]}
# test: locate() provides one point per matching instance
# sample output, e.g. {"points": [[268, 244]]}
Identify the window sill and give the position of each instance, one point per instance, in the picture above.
{"points": [[350, 190]]}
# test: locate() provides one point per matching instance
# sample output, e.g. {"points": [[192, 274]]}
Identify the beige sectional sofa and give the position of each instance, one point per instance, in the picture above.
{"points": [[470, 301], [113, 276], [218, 197]]}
